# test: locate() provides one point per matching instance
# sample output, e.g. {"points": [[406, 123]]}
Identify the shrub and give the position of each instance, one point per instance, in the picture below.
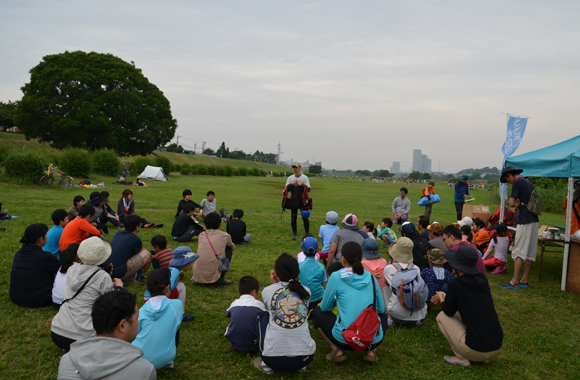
{"points": [[263, 173], [165, 163], [236, 172], [211, 170], [5, 151], [185, 169], [255, 172], [228, 171], [106, 162], [141, 162], [242, 172], [177, 167], [133, 168], [219, 170], [202, 170], [75, 162], [29, 166]]}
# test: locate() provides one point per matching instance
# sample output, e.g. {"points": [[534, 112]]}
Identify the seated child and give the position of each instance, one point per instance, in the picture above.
{"points": [[187, 199], [108, 214], [237, 228], [435, 276], [242, 332], [209, 205], [368, 227], [301, 256], [327, 231], [500, 243], [78, 202], [185, 227], [161, 254], [60, 219], [79, 228], [98, 202], [159, 323], [68, 259], [482, 237], [385, 233], [372, 260], [182, 260], [467, 235], [312, 272]]}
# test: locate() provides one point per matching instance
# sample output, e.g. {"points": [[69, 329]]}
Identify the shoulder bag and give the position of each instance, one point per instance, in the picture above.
{"points": [[223, 264]]}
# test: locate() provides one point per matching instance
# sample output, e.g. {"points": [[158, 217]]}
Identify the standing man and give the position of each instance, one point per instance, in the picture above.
{"points": [[461, 193], [295, 185], [401, 207], [525, 246]]}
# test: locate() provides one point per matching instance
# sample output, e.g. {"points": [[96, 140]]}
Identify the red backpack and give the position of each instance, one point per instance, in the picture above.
{"points": [[361, 333]]}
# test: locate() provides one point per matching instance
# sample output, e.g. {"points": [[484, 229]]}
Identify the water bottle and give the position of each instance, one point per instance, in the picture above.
{"points": [[406, 289]]}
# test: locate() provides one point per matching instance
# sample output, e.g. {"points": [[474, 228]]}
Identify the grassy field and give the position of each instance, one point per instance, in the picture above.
{"points": [[540, 323]]}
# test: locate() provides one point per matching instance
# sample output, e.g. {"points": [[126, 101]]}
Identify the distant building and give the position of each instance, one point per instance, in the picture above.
{"points": [[396, 168], [421, 162]]}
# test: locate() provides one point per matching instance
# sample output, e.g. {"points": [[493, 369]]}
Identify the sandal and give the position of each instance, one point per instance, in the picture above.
{"points": [[369, 358], [460, 363], [331, 357], [262, 367]]}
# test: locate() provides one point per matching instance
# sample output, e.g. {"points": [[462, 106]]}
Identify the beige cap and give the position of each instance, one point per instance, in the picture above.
{"points": [[94, 251], [402, 250]]}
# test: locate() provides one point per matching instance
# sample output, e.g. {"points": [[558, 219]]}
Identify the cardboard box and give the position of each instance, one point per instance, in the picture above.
{"points": [[476, 211]]}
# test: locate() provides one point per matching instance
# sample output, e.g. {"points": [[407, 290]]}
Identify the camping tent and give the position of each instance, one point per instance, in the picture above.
{"points": [[559, 160], [153, 172]]}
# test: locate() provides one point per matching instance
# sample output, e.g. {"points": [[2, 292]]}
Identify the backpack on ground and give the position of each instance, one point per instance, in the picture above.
{"points": [[361, 333], [408, 285], [534, 205]]}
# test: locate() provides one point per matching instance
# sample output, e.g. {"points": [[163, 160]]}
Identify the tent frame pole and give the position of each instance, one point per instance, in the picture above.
{"points": [[568, 232]]}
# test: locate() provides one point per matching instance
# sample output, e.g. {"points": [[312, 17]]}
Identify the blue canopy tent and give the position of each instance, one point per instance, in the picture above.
{"points": [[558, 160]]}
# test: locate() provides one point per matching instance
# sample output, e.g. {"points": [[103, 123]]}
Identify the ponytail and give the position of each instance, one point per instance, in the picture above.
{"points": [[501, 230], [68, 257], [466, 230], [352, 253], [287, 270]]}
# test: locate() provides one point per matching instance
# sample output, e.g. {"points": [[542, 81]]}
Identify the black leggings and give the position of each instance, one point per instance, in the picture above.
{"points": [[325, 320], [61, 341], [294, 213]]}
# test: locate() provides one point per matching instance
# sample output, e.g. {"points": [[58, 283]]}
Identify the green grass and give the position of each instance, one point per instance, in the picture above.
{"points": [[540, 323]]}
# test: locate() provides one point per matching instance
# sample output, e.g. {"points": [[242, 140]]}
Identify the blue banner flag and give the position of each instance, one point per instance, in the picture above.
{"points": [[515, 132]]}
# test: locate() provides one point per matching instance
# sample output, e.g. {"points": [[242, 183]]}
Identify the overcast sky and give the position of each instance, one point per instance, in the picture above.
{"points": [[354, 84]]}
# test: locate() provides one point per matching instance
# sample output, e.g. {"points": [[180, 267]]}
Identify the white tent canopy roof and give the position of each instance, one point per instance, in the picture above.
{"points": [[153, 172]]}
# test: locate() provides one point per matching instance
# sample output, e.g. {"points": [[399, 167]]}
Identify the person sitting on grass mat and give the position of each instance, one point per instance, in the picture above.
{"points": [[126, 207]]}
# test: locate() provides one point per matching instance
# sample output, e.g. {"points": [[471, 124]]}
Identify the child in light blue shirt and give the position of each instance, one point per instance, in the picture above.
{"points": [[312, 272], [385, 233], [60, 220], [327, 231]]}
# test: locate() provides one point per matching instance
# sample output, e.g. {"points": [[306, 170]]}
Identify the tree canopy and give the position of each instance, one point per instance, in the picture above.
{"points": [[7, 114], [94, 101], [315, 169]]}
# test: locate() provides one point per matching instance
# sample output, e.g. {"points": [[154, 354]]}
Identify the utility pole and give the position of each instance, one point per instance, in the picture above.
{"points": [[194, 148], [177, 139], [202, 147], [279, 152]]}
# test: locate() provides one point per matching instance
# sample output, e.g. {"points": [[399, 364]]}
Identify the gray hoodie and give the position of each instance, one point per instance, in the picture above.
{"points": [[105, 358]]}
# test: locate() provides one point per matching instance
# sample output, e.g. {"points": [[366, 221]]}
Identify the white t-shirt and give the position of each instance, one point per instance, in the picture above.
{"points": [[302, 178], [58, 287]]}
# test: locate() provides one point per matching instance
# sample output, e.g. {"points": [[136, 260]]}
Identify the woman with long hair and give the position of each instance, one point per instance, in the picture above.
{"points": [[351, 290], [126, 207]]}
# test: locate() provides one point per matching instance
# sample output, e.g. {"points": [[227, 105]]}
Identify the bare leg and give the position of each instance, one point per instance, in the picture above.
{"points": [[333, 346], [517, 268], [527, 269]]}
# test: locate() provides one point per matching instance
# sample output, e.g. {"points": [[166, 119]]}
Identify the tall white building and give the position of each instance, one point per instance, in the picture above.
{"points": [[396, 168], [421, 162]]}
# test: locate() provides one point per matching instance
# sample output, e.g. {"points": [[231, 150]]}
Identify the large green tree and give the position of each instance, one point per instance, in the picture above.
{"points": [[7, 114], [94, 101]]}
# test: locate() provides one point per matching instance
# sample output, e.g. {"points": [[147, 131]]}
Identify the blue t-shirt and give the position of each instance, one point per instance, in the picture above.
{"points": [[326, 233], [124, 245], [313, 275], [52, 239]]}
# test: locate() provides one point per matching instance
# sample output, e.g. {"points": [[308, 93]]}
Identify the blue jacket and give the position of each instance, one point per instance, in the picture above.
{"points": [[157, 329], [353, 294], [461, 189]]}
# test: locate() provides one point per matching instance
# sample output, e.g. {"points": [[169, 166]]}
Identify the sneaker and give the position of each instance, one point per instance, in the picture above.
{"points": [[157, 226], [147, 225], [508, 285], [523, 284], [390, 323], [224, 282], [187, 318], [295, 236], [170, 365], [385, 246], [419, 323], [258, 363]]}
